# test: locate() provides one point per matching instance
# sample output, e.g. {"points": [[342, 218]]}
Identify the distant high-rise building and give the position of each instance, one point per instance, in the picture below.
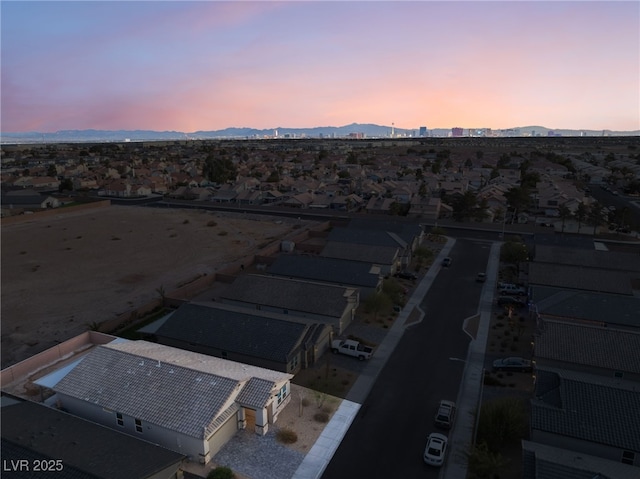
{"points": [[456, 132], [423, 131]]}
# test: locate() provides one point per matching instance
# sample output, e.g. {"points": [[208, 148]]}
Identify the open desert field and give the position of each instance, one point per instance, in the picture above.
{"points": [[62, 273]]}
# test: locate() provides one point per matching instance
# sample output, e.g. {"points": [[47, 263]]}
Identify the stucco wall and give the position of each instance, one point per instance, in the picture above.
{"points": [[189, 446], [23, 369], [44, 214]]}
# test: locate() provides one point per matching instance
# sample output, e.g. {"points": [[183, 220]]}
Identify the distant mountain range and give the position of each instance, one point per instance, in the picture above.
{"points": [[353, 130]]}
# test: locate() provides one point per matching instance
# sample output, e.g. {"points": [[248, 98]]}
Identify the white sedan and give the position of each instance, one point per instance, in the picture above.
{"points": [[436, 449]]}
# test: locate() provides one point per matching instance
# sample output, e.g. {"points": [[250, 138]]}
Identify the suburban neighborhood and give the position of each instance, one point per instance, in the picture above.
{"points": [[537, 238]]}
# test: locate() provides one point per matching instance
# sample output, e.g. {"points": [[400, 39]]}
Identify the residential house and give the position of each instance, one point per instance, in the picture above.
{"points": [[601, 309], [44, 182], [21, 201], [330, 304], [452, 188], [82, 183], [225, 194], [118, 189], [249, 197], [584, 269], [592, 349], [302, 200], [427, 208], [588, 414], [386, 258], [367, 278], [274, 341], [350, 202], [82, 449], [379, 205], [188, 402], [375, 237], [272, 197], [541, 461]]}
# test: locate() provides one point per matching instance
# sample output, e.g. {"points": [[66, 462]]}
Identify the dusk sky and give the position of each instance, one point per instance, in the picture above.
{"points": [[190, 66]]}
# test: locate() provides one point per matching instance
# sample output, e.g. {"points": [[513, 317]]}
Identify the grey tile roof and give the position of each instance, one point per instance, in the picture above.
{"points": [[592, 408], [290, 294], [169, 387], [586, 305], [587, 258], [86, 448], [541, 461], [243, 333], [329, 270], [256, 393], [167, 395], [578, 277], [383, 255], [609, 348]]}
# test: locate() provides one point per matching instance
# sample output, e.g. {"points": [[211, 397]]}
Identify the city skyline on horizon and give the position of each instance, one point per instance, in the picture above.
{"points": [[204, 66]]}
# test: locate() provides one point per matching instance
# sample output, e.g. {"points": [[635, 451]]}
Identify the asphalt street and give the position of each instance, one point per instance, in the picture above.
{"points": [[388, 435]]}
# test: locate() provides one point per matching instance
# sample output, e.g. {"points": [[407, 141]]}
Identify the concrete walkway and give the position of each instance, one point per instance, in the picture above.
{"points": [[316, 461]]}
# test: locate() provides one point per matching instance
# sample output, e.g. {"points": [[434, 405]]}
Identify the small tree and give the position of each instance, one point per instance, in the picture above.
{"points": [[502, 422], [564, 213], [484, 463], [376, 303], [581, 214]]}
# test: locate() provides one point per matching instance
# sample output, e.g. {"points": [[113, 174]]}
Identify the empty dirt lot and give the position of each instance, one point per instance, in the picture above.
{"points": [[62, 273]]}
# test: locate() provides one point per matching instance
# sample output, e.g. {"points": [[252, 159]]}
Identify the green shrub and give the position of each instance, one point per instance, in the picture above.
{"points": [[286, 436], [322, 417], [222, 472]]}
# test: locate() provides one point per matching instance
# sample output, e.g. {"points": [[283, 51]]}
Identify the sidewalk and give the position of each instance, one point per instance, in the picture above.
{"points": [[316, 461]]}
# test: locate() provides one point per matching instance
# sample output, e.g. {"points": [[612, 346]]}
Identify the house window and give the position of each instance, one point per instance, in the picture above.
{"points": [[119, 419], [138, 425], [628, 457], [294, 363], [282, 394]]}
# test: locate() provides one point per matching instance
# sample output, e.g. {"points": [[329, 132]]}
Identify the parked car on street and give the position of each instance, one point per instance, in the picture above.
{"points": [[512, 364], [446, 414], [481, 277], [446, 262], [436, 449], [406, 275], [510, 288]]}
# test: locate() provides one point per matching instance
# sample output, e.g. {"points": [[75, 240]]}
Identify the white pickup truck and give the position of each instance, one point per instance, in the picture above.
{"points": [[351, 348]]}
